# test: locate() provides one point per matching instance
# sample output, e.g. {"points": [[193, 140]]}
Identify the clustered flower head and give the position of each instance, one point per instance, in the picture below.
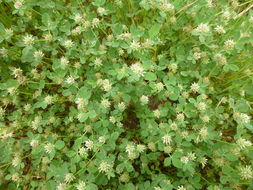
{"points": [[166, 139], [137, 69], [202, 28], [246, 172], [49, 147], [105, 103], [243, 143], [28, 40], [144, 99], [105, 167], [195, 87]]}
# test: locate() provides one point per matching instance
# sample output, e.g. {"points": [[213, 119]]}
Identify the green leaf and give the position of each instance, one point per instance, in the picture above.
{"points": [[59, 144], [1, 32], [150, 76], [84, 92], [27, 54], [167, 161], [91, 187], [154, 31], [99, 2]]}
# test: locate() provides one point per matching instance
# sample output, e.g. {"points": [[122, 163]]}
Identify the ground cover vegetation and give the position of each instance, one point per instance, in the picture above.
{"points": [[126, 94]]}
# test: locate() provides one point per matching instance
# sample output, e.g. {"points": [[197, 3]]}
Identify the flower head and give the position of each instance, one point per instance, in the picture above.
{"points": [[195, 87], [166, 139], [137, 69], [246, 172], [104, 167], [38, 54], [144, 99], [105, 103], [28, 40], [49, 147], [202, 28]]}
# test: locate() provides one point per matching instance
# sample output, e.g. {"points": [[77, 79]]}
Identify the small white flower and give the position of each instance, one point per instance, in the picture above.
{"points": [[202, 106], [202, 28], [166, 139], [106, 85], [48, 99], [220, 30], [68, 44], [95, 22], [184, 159], [82, 151], [89, 144], [180, 117], [34, 143], [17, 72], [38, 54], [243, 143], [104, 167], [4, 52], [64, 61], [12, 90], [140, 148], [173, 67], [77, 30], [48, 37], [144, 99], [121, 106], [197, 55], [181, 187], [8, 31], [49, 147], [105, 103], [98, 62], [130, 148], [61, 186], [16, 161], [159, 86], [191, 156], [70, 80], [245, 118], [205, 118], [78, 18], [203, 132], [112, 119], [167, 6], [221, 59], [195, 87], [81, 185], [203, 161], [157, 113], [137, 69], [101, 11], [226, 15], [18, 4], [101, 139], [135, 45], [246, 172], [28, 40], [229, 44], [69, 177]]}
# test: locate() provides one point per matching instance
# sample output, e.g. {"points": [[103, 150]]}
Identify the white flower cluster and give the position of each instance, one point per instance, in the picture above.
{"points": [[137, 69], [243, 143], [203, 28], [105, 167], [166, 139]]}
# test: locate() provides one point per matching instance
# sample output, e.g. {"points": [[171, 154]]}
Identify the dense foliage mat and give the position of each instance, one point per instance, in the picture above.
{"points": [[126, 94]]}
